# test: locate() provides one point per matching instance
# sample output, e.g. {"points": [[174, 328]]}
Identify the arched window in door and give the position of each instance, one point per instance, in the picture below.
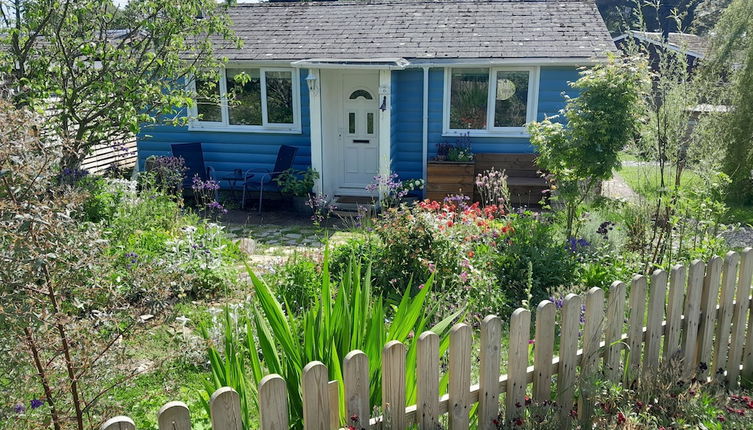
{"points": [[360, 93]]}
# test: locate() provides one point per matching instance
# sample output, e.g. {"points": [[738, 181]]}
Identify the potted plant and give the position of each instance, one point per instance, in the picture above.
{"points": [[297, 185], [452, 170]]}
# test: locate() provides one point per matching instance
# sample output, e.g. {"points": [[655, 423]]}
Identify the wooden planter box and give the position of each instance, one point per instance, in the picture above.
{"points": [[446, 178]]}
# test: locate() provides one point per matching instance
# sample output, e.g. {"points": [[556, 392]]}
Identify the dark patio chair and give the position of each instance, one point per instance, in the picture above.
{"points": [[285, 157], [193, 156]]}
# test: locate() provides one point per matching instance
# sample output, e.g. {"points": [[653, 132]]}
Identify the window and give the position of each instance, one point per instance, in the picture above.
{"points": [[485, 101], [248, 99]]}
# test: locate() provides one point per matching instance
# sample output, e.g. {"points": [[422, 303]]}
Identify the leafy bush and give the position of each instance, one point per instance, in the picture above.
{"points": [[351, 319], [533, 240], [296, 283]]}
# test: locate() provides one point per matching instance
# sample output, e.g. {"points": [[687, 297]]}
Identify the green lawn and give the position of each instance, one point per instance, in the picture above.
{"points": [[645, 180]]}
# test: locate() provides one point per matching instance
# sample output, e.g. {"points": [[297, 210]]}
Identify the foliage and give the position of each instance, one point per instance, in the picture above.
{"points": [[205, 194], [297, 183], [103, 80], [392, 190], [733, 50], [601, 121], [460, 151], [335, 325], [61, 317], [491, 186], [296, 283], [164, 174], [533, 240]]}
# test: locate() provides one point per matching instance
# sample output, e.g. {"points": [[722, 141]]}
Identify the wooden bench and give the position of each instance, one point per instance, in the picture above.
{"points": [[523, 177]]}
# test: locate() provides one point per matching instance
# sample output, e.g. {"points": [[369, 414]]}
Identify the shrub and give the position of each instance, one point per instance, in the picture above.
{"points": [[534, 240], [296, 283], [104, 196]]}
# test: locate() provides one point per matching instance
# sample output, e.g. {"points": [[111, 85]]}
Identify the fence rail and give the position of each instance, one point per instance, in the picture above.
{"points": [[702, 313]]}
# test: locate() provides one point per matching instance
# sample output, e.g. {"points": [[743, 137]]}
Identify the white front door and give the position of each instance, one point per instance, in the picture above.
{"points": [[359, 131]]}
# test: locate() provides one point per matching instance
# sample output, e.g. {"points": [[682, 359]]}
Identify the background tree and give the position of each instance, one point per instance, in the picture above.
{"points": [[731, 66], [103, 71]]}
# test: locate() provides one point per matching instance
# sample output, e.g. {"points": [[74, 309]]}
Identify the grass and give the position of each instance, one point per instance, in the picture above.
{"points": [[645, 180]]}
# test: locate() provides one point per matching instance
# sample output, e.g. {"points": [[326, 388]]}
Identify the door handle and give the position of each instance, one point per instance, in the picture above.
{"points": [[361, 141]]}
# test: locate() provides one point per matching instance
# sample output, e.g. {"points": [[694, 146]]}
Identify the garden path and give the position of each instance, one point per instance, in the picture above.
{"points": [[617, 188], [271, 237]]}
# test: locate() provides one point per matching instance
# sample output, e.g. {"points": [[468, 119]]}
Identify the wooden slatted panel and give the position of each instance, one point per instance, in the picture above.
{"points": [[517, 363], [614, 329], [119, 423], [677, 283], [393, 385], [657, 295], [121, 154], [635, 327], [491, 340], [356, 379], [709, 298], [225, 410], [333, 390], [176, 416], [745, 281], [739, 319], [726, 307], [568, 356], [273, 403], [692, 315], [543, 351], [593, 332], [427, 377], [460, 376], [315, 397]]}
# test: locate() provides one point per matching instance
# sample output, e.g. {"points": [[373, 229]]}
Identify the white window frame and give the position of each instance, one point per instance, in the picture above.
{"points": [[266, 127], [491, 130]]}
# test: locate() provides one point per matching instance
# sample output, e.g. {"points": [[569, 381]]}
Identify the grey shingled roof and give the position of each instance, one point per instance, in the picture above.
{"points": [[419, 29], [684, 42]]}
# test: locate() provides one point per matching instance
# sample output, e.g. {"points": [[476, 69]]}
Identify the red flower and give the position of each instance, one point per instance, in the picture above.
{"points": [[721, 418], [621, 418], [471, 254], [518, 422]]}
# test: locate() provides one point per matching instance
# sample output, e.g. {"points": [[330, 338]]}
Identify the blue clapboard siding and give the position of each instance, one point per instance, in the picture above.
{"points": [[394, 121], [226, 151], [408, 108]]}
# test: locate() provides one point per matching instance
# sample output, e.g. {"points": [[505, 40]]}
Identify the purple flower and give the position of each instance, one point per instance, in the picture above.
{"points": [[19, 408], [575, 245], [36, 403]]}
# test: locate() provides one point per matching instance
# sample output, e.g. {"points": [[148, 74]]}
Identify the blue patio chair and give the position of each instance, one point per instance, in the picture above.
{"points": [[193, 156], [285, 157]]}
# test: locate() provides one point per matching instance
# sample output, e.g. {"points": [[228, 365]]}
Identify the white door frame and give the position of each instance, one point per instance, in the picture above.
{"points": [[325, 102]]}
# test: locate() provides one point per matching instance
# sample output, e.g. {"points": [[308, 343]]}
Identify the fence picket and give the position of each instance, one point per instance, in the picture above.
{"points": [[517, 363], [657, 295], [695, 326], [315, 397], [568, 356], [356, 379], [393, 385], [460, 376], [543, 351], [119, 423], [273, 403], [613, 331], [726, 299], [739, 317], [488, 394], [225, 409], [635, 327], [692, 314], [427, 377], [176, 416], [677, 283], [709, 298], [745, 281], [593, 332]]}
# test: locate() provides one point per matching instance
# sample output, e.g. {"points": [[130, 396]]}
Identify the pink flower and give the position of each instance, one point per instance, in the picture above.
{"points": [[464, 277]]}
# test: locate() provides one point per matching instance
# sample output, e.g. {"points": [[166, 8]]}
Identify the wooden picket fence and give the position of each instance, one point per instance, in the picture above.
{"points": [[700, 313]]}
